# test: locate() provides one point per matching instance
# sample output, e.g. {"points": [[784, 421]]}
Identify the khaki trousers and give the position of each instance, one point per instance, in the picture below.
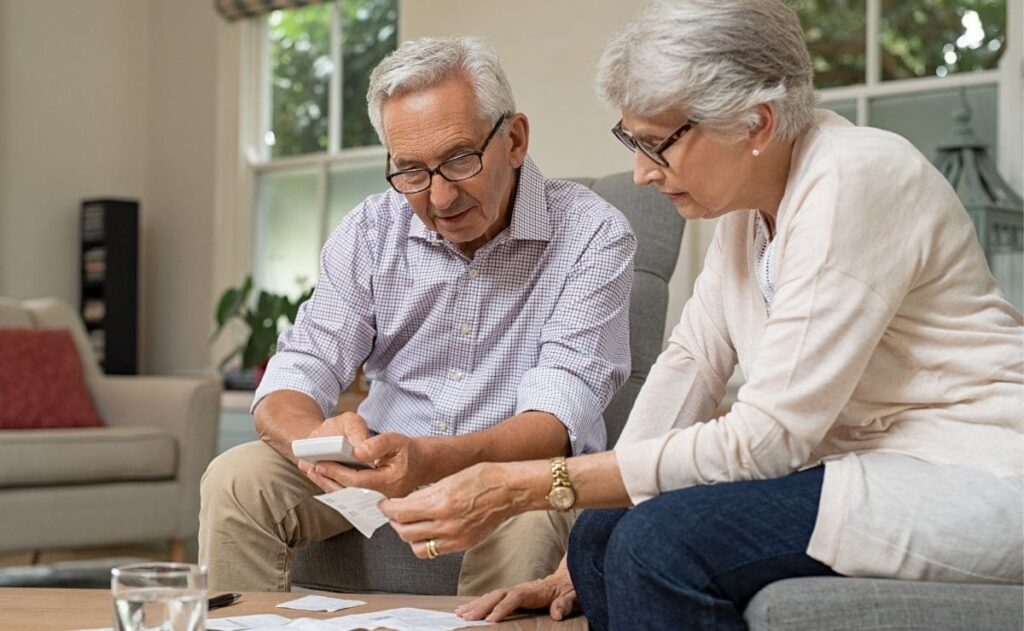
{"points": [[257, 506]]}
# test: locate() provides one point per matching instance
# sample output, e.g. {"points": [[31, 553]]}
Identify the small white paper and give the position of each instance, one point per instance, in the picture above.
{"points": [[321, 603], [358, 506], [405, 619], [237, 623]]}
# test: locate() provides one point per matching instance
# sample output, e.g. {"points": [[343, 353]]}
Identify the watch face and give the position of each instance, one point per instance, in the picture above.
{"points": [[562, 497]]}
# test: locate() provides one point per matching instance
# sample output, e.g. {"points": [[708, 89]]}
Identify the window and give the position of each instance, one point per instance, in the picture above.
{"points": [[316, 155], [901, 65]]}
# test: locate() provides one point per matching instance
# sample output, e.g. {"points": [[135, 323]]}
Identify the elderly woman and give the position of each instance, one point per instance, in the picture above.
{"points": [[879, 432]]}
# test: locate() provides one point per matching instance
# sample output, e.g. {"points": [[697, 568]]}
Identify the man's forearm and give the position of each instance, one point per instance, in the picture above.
{"points": [[286, 415], [526, 436]]}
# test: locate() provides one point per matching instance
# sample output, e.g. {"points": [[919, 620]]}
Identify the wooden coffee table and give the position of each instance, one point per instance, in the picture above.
{"points": [[34, 609]]}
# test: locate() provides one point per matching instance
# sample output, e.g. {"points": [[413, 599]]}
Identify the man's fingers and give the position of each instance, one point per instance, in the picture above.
{"points": [[481, 606], [324, 483], [506, 606], [377, 447], [562, 606]]}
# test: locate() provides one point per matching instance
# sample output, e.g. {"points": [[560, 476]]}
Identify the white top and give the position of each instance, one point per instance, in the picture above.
{"points": [[889, 354]]}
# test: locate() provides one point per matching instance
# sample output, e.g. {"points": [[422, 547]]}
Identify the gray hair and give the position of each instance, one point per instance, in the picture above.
{"points": [[713, 60], [423, 63]]}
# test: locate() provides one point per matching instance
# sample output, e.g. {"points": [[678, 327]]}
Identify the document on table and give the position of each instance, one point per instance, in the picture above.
{"points": [[403, 619], [321, 603], [358, 506], [237, 623]]}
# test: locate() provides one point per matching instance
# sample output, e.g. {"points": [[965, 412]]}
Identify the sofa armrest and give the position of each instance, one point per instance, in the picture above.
{"points": [[188, 409]]}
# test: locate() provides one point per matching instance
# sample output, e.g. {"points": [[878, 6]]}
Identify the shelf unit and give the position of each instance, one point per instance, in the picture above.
{"points": [[109, 281]]}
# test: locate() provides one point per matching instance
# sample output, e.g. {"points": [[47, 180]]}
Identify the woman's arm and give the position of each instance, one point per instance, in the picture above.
{"points": [[461, 510]]}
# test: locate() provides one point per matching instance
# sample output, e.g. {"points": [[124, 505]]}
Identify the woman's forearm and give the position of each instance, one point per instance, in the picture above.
{"points": [[595, 478]]}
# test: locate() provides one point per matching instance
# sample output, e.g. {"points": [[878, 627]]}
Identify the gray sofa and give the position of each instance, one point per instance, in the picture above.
{"points": [[351, 563], [134, 479]]}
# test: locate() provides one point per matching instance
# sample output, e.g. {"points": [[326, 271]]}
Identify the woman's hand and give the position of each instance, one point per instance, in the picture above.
{"points": [[459, 511], [554, 592]]}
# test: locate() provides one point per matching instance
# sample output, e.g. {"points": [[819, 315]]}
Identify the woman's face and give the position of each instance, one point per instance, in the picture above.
{"points": [[705, 175]]}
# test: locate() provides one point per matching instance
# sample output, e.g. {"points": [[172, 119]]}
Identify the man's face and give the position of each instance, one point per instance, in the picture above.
{"points": [[428, 127]]}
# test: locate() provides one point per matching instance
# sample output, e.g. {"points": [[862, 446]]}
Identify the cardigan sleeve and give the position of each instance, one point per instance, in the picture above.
{"points": [[688, 380]]}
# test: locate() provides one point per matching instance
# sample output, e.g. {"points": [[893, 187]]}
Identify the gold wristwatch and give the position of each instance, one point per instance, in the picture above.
{"points": [[562, 496]]}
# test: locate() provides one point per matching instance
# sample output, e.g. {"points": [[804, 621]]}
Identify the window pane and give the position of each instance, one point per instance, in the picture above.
{"points": [[925, 119], [287, 232], [939, 37], [349, 187], [369, 33], [847, 109], [300, 67], [835, 31]]}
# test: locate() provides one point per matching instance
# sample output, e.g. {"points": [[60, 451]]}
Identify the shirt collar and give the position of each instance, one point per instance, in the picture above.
{"points": [[531, 220]]}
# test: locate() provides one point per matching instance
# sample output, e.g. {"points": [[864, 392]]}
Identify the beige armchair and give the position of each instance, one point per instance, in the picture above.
{"points": [[135, 479]]}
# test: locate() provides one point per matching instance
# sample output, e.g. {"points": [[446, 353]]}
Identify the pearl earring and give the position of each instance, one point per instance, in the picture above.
{"points": [[756, 152]]}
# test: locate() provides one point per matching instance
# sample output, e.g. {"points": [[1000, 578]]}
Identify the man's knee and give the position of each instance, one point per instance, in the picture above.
{"points": [[241, 476]]}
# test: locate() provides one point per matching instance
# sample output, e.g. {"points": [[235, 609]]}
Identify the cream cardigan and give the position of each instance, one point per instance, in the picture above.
{"points": [[890, 355]]}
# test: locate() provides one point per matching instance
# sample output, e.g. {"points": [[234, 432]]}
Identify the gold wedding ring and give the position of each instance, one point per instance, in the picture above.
{"points": [[431, 549]]}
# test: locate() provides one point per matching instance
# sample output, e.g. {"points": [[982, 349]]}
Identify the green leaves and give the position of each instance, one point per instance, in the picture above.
{"points": [[264, 320]]}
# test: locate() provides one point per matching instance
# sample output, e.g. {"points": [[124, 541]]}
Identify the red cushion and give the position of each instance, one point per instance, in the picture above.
{"points": [[41, 381]]}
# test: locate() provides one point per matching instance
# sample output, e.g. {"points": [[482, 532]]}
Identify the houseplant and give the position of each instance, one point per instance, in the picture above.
{"points": [[263, 315]]}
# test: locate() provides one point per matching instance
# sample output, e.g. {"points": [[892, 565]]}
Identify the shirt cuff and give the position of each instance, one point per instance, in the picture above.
{"points": [[571, 401], [301, 373]]}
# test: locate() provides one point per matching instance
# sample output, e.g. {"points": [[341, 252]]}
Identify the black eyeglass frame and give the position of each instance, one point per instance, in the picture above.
{"points": [[388, 175], [655, 152]]}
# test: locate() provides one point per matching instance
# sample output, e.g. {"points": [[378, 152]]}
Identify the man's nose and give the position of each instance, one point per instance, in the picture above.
{"points": [[442, 192]]}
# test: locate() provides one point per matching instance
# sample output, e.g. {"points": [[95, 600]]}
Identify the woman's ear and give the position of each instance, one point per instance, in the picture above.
{"points": [[519, 139], [763, 128]]}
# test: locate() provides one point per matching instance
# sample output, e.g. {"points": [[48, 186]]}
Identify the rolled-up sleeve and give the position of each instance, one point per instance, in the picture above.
{"points": [[584, 345], [334, 331]]}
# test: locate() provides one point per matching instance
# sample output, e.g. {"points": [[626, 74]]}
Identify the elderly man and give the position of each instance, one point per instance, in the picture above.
{"points": [[488, 305]]}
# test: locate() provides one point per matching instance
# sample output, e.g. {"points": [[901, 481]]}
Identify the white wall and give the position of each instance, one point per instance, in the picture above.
{"points": [[549, 51], [72, 124], [111, 97]]}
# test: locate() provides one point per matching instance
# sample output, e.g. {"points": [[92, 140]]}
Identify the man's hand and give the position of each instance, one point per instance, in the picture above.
{"points": [[459, 511], [348, 424], [402, 466], [555, 592]]}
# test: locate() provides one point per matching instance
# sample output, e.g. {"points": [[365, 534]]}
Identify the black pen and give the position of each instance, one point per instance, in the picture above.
{"points": [[223, 600]]}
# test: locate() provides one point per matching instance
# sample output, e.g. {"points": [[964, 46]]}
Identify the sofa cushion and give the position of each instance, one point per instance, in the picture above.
{"points": [[41, 381], [83, 456], [822, 604]]}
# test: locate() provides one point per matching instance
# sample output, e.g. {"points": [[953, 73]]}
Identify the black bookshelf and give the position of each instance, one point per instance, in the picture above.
{"points": [[109, 265]]}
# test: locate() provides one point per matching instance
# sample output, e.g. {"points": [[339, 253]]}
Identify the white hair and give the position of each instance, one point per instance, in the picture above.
{"points": [[713, 60], [426, 62]]}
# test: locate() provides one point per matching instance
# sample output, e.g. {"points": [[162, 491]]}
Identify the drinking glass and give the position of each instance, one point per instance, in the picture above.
{"points": [[159, 597]]}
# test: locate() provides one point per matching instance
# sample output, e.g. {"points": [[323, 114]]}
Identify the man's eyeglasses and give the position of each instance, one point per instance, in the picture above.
{"points": [[456, 169], [651, 151]]}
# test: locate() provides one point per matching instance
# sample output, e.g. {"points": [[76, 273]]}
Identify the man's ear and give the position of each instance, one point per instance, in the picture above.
{"points": [[763, 129], [519, 139]]}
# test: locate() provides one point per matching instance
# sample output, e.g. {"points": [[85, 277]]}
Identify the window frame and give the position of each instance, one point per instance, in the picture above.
{"points": [[258, 159]]}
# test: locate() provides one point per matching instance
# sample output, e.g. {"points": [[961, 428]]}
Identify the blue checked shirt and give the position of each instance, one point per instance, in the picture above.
{"points": [[536, 321]]}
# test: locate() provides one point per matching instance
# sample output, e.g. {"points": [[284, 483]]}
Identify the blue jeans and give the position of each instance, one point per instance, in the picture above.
{"points": [[693, 558]]}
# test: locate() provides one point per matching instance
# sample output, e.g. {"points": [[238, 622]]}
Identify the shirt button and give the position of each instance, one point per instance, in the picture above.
{"points": [[473, 274], [465, 329], [441, 426], [457, 375]]}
